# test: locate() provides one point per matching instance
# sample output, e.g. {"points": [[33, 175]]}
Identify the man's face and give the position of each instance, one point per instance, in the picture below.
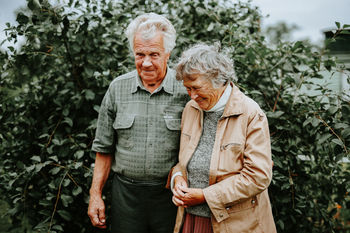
{"points": [[150, 59]]}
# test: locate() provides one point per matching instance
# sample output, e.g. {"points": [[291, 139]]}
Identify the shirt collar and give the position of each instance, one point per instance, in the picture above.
{"points": [[220, 105], [167, 84]]}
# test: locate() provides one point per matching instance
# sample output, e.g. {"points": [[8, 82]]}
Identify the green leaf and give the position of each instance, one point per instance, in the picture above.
{"points": [[78, 165], [68, 121], [54, 158], [97, 108], [89, 95], [65, 215], [58, 227], [76, 191], [324, 138], [346, 132], [275, 114], [22, 18], [79, 154], [36, 158], [337, 141], [66, 200], [307, 121], [338, 25], [55, 170]]}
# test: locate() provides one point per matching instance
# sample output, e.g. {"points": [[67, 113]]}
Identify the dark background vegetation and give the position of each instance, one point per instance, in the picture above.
{"points": [[52, 86]]}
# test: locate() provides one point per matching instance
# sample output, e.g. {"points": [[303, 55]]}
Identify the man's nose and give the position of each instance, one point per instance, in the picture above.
{"points": [[147, 62]]}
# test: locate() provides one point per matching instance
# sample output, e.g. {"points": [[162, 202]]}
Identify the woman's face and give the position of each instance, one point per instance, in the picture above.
{"points": [[201, 90]]}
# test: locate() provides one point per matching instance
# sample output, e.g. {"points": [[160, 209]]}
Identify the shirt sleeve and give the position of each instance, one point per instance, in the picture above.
{"points": [[104, 141]]}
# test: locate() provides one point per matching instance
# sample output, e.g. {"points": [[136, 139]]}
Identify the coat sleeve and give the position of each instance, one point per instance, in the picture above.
{"points": [[183, 142], [254, 177]]}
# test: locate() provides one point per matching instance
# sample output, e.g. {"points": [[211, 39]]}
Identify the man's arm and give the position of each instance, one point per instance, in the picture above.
{"points": [[96, 209]]}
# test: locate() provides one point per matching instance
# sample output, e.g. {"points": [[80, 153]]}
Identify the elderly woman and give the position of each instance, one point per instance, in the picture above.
{"points": [[220, 182]]}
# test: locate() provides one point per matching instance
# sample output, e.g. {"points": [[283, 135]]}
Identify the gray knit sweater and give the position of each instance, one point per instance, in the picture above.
{"points": [[198, 166]]}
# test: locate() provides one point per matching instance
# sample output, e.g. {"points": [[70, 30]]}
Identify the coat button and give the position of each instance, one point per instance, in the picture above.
{"points": [[221, 215]]}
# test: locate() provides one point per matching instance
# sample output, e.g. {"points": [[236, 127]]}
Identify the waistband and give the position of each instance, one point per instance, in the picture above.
{"points": [[127, 180]]}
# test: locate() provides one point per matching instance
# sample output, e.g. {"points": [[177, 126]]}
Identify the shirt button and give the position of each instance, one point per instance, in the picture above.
{"points": [[221, 215], [253, 201]]}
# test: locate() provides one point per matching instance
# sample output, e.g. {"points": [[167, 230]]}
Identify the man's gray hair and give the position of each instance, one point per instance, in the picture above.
{"points": [[149, 24], [207, 61]]}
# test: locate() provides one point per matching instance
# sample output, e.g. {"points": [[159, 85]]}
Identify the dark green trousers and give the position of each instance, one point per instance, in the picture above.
{"points": [[141, 207]]}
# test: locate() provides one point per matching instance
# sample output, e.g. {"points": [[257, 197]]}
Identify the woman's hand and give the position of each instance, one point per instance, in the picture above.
{"points": [[192, 197], [185, 196]]}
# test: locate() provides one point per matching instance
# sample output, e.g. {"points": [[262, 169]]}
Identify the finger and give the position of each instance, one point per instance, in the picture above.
{"points": [[94, 219], [177, 201], [178, 193], [184, 189], [102, 216]]}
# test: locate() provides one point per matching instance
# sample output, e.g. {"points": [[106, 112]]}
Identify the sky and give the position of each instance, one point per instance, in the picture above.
{"points": [[311, 16]]}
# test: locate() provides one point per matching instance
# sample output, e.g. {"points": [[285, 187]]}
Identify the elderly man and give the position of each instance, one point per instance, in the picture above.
{"points": [[137, 134]]}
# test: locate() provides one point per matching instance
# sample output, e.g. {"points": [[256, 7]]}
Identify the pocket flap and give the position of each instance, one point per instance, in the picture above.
{"points": [[173, 124], [123, 121], [243, 205]]}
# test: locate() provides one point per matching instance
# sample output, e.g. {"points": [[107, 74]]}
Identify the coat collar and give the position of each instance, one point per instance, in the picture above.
{"points": [[234, 105]]}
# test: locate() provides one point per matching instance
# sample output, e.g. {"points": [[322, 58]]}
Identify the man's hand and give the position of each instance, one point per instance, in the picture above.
{"points": [[179, 182], [97, 207], [96, 211]]}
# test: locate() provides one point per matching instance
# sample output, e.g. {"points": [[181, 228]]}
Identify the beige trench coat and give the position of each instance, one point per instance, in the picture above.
{"points": [[240, 168]]}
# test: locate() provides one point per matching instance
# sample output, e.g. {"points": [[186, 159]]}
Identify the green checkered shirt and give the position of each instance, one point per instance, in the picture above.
{"points": [[141, 129]]}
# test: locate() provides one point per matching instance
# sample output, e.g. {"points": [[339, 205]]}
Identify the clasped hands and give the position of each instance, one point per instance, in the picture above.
{"points": [[185, 196]]}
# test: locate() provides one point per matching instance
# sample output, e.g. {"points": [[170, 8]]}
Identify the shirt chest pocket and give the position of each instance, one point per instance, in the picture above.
{"points": [[172, 124], [123, 121], [231, 158], [122, 124]]}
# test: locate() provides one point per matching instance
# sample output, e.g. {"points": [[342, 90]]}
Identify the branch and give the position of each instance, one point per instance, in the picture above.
{"points": [[330, 128], [53, 132], [57, 198]]}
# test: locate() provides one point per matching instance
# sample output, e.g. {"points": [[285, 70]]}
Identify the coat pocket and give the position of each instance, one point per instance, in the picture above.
{"points": [[243, 216], [230, 159]]}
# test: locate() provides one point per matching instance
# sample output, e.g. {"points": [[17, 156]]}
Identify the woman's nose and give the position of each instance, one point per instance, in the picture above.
{"points": [[193, 95]]}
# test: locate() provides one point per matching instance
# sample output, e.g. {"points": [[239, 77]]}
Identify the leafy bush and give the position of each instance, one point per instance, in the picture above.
{"points": [[52, 87]]}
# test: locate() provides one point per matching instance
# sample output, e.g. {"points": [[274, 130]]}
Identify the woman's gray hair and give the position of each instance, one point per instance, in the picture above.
{"points": [[206, 60], [149, 24]]}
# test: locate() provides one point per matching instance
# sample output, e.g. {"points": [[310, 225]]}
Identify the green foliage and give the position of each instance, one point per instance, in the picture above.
{"points": [[52, 87]]}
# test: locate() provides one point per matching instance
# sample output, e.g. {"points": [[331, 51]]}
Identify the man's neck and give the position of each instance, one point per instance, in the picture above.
{"points": [[151, 87]]}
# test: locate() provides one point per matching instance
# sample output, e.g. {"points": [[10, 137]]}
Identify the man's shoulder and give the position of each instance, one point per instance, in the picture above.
{"points": [[178, 87], [124, 78]]}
